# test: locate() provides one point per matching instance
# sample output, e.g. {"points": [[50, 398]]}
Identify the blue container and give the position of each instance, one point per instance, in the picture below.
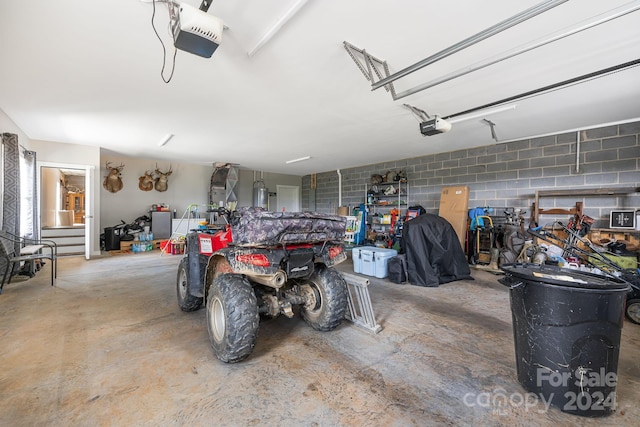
{"points": [[372, 261]]}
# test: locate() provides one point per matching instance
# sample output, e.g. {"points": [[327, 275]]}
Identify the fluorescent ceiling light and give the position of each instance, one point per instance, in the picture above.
{"points": [[165, 139], [298, 160], [277, 26]]}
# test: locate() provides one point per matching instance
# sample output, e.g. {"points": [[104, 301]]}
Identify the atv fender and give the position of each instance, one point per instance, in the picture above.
{"points": [[218, 263], [196, 264]]}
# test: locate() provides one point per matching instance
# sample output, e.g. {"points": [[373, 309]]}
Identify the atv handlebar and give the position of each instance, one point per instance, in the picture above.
{"points": [[221, 210], [226, 213]]}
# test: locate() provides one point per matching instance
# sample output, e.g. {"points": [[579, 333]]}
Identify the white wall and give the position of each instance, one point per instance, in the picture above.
{"points": [[271, 181], [7, 125], [188, 184], [77, 156], [67, 154]]}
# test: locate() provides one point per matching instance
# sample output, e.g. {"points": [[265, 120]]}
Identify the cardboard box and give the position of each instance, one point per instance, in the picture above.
{"points": [[454, 207]]}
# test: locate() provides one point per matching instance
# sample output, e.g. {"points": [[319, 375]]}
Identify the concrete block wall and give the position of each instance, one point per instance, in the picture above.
{"points": [[507, 174]]}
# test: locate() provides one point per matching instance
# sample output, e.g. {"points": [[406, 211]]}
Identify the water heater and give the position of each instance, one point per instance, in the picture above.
{"points": [[260, 195]]}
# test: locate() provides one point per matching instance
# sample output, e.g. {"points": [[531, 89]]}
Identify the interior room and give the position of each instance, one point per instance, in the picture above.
{"points": [[320, 213]]}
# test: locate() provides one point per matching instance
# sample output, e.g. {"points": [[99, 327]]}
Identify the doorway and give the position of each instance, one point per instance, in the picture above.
{"points": [[287, 198], [65, 197]]}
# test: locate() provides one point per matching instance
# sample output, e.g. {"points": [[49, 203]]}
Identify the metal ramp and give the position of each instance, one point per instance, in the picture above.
{"points": [[360, 309]]}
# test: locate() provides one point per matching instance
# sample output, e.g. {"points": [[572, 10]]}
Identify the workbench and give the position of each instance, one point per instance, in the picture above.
{"points": [[536, 211]]}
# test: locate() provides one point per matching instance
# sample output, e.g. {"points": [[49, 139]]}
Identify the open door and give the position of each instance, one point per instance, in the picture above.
{"points": [[65, 197]]}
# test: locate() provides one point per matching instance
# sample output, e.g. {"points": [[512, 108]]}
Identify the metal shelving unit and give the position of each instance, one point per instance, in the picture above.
{"points": [[384, 200]]}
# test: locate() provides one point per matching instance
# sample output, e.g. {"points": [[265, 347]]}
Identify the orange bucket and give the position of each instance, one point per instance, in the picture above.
{"points": [[165, 245]]}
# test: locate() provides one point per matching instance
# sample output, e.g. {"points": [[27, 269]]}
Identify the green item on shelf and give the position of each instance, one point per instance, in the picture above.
{"points": [[622, 261]]}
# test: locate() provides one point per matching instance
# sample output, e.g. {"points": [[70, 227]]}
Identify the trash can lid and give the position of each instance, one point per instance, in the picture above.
{"points": [[563, 276]]}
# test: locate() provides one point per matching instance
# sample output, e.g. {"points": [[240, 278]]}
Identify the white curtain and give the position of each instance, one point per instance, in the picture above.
{"points": [[29, 226]]}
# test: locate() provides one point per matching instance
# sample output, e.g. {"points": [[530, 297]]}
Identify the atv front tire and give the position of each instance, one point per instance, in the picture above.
{"points": [[186, 300], [232, 317], [330, 305]]}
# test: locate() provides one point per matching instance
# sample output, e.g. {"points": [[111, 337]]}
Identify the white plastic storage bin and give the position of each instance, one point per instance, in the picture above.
{"points": [[372, 261]]}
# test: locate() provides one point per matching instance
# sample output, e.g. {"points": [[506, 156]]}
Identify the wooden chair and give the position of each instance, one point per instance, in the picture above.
{"points": [[30, 252]]}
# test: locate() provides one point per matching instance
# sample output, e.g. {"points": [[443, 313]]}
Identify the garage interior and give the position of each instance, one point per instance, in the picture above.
{"points": [[108, 345], [530, 109]]}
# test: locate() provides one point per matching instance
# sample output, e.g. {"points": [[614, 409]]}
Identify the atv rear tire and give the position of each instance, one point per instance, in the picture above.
{"points": [[330, 299], [232, 317], [186, 300]]}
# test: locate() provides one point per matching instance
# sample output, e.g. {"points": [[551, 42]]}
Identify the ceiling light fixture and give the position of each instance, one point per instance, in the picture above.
{"points": [[298, 160], [166, 139]]}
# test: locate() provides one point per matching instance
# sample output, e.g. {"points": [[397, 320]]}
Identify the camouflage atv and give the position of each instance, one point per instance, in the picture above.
{"points": [[263, 263]]}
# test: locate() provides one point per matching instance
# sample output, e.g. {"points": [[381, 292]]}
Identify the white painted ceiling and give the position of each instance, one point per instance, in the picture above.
{"points": [[88, 72]]}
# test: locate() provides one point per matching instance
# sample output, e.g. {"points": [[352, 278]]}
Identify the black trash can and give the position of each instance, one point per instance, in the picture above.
{"points": [[111, 239], [566, 328]]}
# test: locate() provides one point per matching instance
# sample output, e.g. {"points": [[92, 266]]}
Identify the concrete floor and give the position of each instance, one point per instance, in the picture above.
{"points": [[108, 346]]}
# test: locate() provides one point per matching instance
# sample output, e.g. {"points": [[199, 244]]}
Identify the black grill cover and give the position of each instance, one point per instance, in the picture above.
{"points": [[434, 254]]}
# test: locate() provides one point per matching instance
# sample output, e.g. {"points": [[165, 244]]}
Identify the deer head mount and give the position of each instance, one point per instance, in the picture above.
{"points": [[161, 183], [113, 181], [145, 182]]}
